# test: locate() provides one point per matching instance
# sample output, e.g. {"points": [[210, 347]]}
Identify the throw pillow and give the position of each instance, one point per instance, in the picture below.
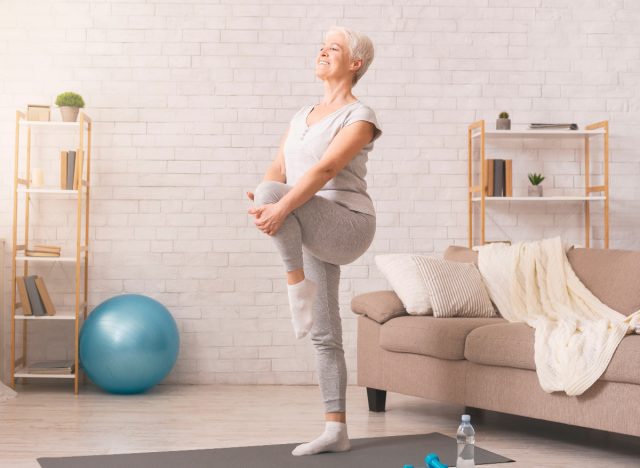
{"points": [[380, 306], [455, 289], [402, 273]]}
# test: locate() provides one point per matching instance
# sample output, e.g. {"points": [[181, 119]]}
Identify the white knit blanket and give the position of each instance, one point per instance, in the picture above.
{"points": [[575, 334]]}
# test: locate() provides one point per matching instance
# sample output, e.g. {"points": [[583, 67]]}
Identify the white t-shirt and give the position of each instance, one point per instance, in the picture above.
{"points": [[306, 145]]}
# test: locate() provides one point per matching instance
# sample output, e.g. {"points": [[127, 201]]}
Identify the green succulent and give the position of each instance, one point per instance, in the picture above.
{"points": [[503, 115], [535, 179], [69, 99]]}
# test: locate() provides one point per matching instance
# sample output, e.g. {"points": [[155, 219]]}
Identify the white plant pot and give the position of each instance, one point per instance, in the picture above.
{"points": [[69, 114], [535, 190], [503, 124]]}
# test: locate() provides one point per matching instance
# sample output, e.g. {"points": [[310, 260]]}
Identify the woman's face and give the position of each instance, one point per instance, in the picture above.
{"points": [[333, 60]]}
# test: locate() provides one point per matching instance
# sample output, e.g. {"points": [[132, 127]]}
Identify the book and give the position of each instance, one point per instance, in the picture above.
{"points": [[63, 169], [498, 177], [570, 126], [71, 164], [46, 299], [24, 297], [508, 178], [76, 170], [46, 248], [38, 253], [51, 367], [37, 307], [489, 181]]}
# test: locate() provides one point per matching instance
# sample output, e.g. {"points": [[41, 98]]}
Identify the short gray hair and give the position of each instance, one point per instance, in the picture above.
{"points": [[360, 48]]}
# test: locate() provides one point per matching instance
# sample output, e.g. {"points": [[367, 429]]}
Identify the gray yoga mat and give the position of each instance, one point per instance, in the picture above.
{"points": [[378, 452]]}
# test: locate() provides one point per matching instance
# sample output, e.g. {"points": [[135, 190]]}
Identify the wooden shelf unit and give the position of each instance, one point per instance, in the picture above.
{"points": [[81, 258], [478, 134]]}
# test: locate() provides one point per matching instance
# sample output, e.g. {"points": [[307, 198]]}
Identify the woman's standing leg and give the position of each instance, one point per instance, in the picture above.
{"points": [[326, 335]]}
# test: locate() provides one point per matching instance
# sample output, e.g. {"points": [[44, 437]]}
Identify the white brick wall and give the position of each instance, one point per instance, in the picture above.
{"points": [[190, 100]]}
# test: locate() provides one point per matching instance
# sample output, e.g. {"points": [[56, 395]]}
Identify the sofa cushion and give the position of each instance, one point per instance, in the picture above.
{"points": [[378, 305], [511, 345], [442, 338], [613, 276], [457, 253]]}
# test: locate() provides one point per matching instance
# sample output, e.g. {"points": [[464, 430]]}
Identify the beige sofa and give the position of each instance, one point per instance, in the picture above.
{"points": [[488, 363]]}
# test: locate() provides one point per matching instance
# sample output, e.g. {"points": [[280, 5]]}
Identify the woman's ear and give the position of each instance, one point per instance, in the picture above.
{"points": [[356, 65]]}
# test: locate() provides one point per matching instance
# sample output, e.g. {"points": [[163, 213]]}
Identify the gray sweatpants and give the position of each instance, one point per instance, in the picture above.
{"points": [[319, 236]]}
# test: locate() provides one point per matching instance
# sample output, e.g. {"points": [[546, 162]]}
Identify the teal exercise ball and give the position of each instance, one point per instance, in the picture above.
{"points": [[128, 344]]}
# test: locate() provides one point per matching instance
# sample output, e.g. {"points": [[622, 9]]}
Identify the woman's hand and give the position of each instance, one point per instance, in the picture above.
{"points": [[269, 217], [250, 195]]}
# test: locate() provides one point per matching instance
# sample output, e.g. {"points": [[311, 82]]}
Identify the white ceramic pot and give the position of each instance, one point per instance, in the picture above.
{"points": [[535, 190], [503, 124], [69, 114]]}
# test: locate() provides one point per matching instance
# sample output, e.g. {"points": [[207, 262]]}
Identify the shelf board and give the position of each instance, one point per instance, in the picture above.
{"points": [[527, 133], [21, 372], [47, 191], [60, 315], [50, 123], [22, 258], [542, 199]]}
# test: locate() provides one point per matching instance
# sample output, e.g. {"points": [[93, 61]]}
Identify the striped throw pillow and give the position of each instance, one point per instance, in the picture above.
{"points": [[455, 289]]}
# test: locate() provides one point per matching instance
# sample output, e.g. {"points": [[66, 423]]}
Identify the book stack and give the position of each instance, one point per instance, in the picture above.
{"points": [[40, 250], [499, 180], [52, 367], [34, 297], [69, 170], [553, 126]]}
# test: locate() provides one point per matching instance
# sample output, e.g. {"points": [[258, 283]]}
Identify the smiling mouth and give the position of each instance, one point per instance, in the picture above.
{"points": [[322, 62]]}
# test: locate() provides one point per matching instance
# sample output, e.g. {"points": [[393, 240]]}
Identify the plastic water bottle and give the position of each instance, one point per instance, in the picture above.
{"points": [[466, 443]]}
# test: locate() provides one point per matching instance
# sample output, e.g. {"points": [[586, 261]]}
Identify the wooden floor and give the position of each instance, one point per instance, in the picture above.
{"points": [[51, 421]]}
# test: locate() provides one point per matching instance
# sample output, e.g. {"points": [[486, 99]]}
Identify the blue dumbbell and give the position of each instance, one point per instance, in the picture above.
{"points": [[432, 461], [407, 466]]}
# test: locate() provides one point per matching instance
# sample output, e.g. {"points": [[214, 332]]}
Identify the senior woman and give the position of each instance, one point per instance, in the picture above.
{"points": [[313, 202]]}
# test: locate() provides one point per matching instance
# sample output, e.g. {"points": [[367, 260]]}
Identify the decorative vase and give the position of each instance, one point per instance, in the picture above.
{"points": [[535, 190], [69, 114], [503, 124]]}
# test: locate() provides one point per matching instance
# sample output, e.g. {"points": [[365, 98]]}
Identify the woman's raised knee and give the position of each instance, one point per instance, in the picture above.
{"points": [[269, 191]]}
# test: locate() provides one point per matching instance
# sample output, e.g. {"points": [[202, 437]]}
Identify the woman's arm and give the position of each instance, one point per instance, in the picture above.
{"points": [[276, 170], [344, 147]]}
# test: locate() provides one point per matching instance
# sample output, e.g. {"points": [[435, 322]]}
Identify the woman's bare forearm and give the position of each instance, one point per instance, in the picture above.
{"points": [[312, 181]]}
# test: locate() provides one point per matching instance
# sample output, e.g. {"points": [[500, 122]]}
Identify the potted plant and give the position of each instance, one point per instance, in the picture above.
{"points": [[535, 189], [503, 122], [70, 104]]}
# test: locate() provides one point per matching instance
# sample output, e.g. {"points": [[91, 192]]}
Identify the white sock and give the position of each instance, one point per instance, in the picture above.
{"points": [[333, 439], [301, 297]]}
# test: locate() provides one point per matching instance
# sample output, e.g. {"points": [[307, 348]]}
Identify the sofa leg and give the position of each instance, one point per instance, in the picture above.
{"points": [[377, 399], [476, 414]]}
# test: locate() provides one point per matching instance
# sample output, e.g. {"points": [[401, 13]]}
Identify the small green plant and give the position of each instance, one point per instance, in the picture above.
{"points": [[503, 115], [535, 179], [69, 99]]}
